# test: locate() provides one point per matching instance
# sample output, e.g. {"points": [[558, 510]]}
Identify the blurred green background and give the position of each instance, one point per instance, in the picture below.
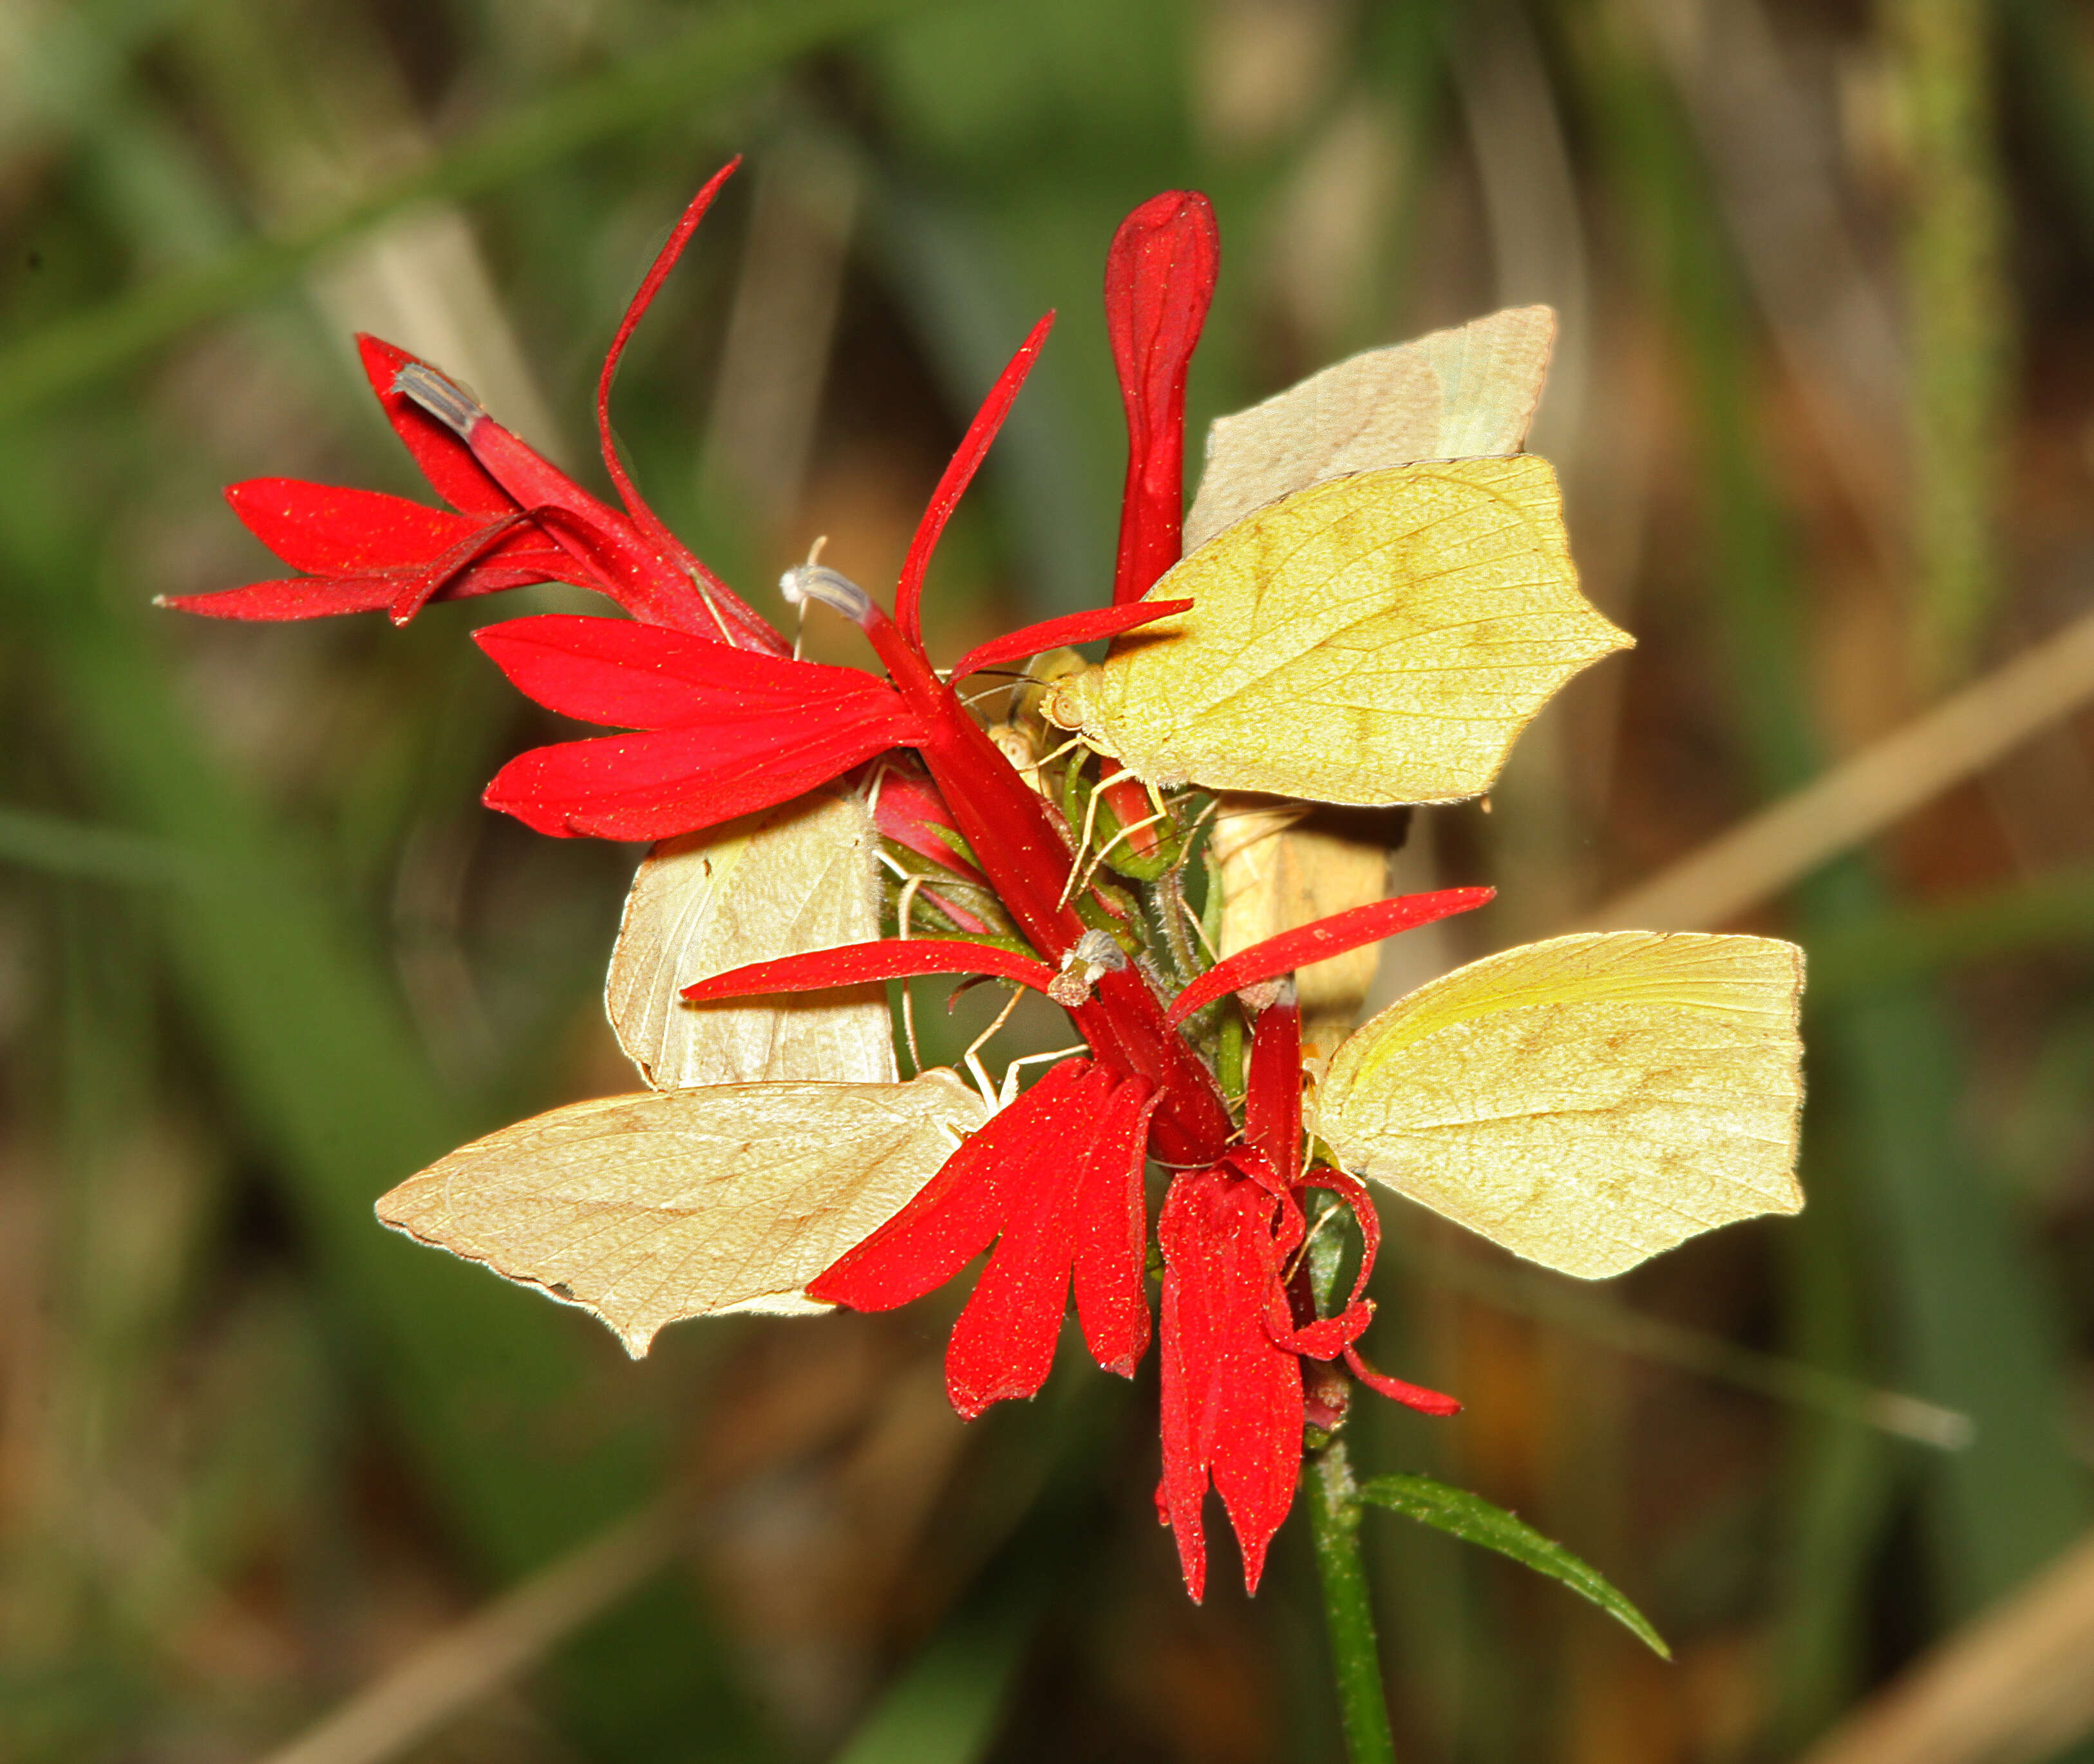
{"points": [[1824, 409]]}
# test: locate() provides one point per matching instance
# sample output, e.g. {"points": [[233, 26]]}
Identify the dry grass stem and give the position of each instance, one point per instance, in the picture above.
{"points": [[1961, 736], [2010, 1688], [458, 1668]]}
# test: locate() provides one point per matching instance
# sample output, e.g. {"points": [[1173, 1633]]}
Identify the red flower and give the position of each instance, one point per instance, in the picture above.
{"points": [[519, 519], [1055, 1181], [1238, 1320], [723, 721]]}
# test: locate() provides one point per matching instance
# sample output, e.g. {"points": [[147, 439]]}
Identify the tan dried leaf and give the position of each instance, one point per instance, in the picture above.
{"points": [[1379, 639], [801, 877], [1466, 394], [1278, 868], [686, 1203], [1586, 1102]]}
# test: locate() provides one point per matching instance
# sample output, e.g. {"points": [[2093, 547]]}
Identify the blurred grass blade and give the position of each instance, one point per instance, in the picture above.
{"points": [[1592, 1314], [1475, 1520], [729, 45], [1960, 313], [1780, 846], [61, 847], [2054, 910], [2015, 1686], [1971, 1328], [944, 1709], [499, 1396], [449, 1674]]}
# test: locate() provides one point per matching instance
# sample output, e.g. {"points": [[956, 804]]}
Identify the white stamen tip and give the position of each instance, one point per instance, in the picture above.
{"points": [[817, 582], [448, 402]]}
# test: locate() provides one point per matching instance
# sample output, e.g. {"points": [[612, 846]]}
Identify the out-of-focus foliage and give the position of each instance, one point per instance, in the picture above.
{"points": [[1823, 411]]}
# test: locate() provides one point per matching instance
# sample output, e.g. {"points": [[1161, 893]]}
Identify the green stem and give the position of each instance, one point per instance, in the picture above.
{"points": [[1334, 1521]]}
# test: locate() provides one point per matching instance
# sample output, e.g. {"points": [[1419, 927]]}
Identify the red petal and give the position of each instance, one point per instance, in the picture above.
{"points": [[445, 460], [298, 596], [1272, 1095], [1159, 278], [333, 531], [958, 1212], [1321, 940], [749, 631], [1071, 629], [423, 585], [656, 786], [1003, 1346], [1430, 1402], [642, 676], [1231, 1401], [1113, 1230], [965, 461], [626, 568], [853, 964]]}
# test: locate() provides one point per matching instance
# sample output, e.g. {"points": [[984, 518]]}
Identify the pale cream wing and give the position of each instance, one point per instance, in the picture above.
{"points": [[801, 877], [1586, 1102], [686, 1203], [1278, 865], [1378, 639], [1465, 394]]}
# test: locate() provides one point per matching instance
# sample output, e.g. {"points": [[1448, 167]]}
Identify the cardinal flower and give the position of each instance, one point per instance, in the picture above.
{"points": [[1349, 626]]}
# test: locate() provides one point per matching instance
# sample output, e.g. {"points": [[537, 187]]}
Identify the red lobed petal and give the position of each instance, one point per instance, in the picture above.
{"points": [[958, 1213], [1113, 1230], [1159, 278], [1320, 940], [1231, 1401]]}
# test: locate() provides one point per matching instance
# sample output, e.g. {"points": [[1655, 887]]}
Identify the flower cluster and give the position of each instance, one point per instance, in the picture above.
{"points": [[1051, 863]]}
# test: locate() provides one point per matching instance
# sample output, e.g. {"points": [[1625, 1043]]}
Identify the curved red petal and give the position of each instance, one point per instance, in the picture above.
{"points": [[1430, 1402], [1321, 940], [297, 596], [959, 472], [1071, 629], [747, 629]]}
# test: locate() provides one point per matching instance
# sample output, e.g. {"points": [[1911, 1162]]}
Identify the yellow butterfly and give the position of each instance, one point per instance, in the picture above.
{"points": [[1588, 1101], [686, 1203], [1380, 638], [800, 877]]}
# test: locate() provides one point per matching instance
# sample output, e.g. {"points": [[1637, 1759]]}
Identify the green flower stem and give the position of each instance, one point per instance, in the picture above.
{"points": [[1334, 1521]]}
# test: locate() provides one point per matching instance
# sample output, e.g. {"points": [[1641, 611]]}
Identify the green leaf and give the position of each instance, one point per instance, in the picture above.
{"points": [[1475, 1520]]}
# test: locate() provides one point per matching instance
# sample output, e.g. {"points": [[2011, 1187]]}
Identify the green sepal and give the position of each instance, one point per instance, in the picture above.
{"points": [[1475, 1520]]}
